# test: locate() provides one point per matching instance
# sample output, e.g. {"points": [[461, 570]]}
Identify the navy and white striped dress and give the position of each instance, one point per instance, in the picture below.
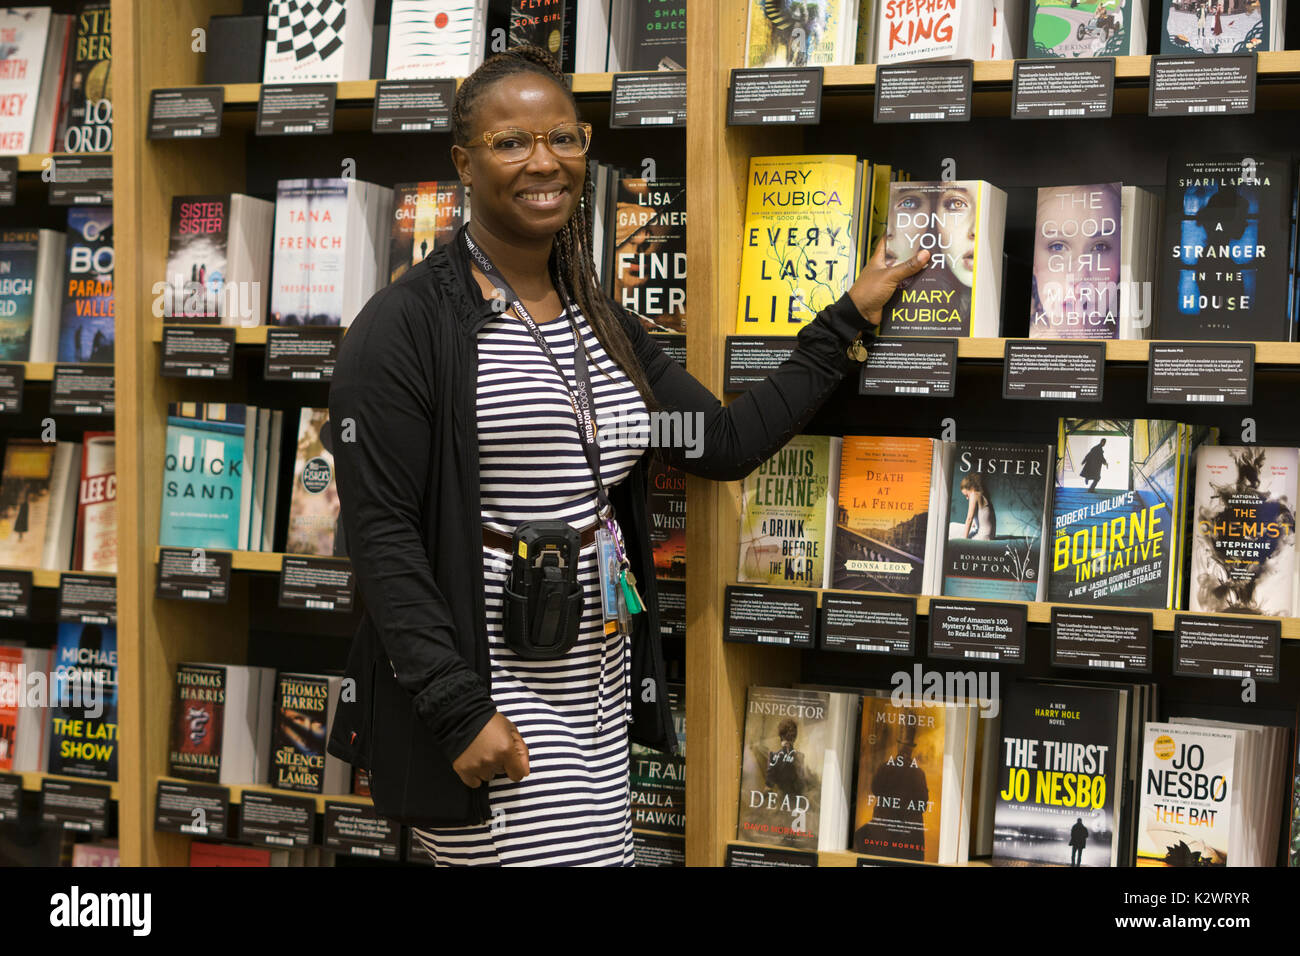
{"points": [[573, 808]]}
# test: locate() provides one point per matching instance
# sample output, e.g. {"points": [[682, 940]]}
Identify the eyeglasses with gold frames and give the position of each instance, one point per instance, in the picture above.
{"points": [[566, 141]]}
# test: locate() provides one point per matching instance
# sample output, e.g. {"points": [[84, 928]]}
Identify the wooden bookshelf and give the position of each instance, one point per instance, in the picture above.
{"points": [[363, 91], [45, 578]]}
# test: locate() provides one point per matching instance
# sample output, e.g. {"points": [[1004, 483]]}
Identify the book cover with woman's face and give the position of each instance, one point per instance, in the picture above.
{"points": [[1076, 287]]}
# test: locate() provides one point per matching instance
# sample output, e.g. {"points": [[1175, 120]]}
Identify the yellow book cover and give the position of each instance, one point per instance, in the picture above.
{"points": [[900, 780], [882, 175], [798, 241], [797, 34]]}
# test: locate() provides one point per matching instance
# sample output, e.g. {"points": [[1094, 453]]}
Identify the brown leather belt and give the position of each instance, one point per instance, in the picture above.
{"points": [[506, 543]]}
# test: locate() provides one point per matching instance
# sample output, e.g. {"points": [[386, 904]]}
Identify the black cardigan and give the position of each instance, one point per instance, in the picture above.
{"points": [[416, 692]]}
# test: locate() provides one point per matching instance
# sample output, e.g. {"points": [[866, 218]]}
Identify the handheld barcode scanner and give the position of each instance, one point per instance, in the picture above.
{"points": [[543, 606]]}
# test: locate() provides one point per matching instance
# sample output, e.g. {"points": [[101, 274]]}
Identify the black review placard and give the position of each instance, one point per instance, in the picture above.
{"points": [[1201, 373], [194, 574], [1063, 89], [302, 354], [11, 796], [1053, 370], [978, 631], [198, 809], [316, 584], [203, 352], [781, 616], [751, 359], [672, 607], [910, 367], [867, 624], [12, 379], [782, 97], [673, 344], [1197, 85], [648, 99], [8, 180], [83, 390], [296, 109], [1102, 640], [1232, 648], [82, 807], [88, 599], [187, 112], [658, 849], [359, 831], [15, 594], [273, 819], [413, 106], [925, 93], [80, 179], [765, 856]]}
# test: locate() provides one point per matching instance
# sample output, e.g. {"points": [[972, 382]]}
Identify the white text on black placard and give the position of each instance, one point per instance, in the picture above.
{"points": [[11, 796], [750, 359], [15, 594], [638, 100], [12, 379], [1102, 640], [80, 807], [978, 631], [272, 819], [1201, 373], [191, 112], [785, 97], [1041, 370], [413, 106], [1203, 85], [194, 808], [672, 607], [296, 109], [925, 93], [198, 352], [83, 390], [302, 354], [359, 831], [194, 574], [1231, 648], [658, 849], [910, 367], [88, 599], [673, 344], [80, 180], [316, 584], [781, 616], [1063, 89], [867, 624], [767, 856], [8, 180]]}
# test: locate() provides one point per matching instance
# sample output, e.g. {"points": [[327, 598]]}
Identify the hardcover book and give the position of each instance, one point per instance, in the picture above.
{"points": [[1187, 784], [801, 34], [203, 476], [83, 705], [949, 30], [1076, 283], [1066, 29], [1201, 27], [1223, 266], [86, 331], [318, 40], [425, 216], [658, 780], [198, 717], [304, 704], [649, 252], [959, 292], [24, 299], [996, 528], [435, 38], [658, 41], [1115, 512], [796, 768], [1244, 544], [33, 58], [798, 242], [96, 541], [26, 501], [1061, 774], [218, 260], [315, 526], [667, 510], [89, 87], [787, 512]]}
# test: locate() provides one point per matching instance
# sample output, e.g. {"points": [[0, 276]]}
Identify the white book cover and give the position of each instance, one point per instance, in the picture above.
{"points": [[1186, 795], [912, 32], [65, 481], [435, 38], [318, 40], [23, 35]]}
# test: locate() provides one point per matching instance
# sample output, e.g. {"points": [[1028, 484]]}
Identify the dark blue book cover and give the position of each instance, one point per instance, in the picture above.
{"points": [[86, 328], [83, 702]]}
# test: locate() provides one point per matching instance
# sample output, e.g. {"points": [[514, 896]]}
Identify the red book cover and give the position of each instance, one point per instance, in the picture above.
{"points": [[361, 782], [221, 854], [200, 705], [11, 662], [96, 541], [667, 508]]}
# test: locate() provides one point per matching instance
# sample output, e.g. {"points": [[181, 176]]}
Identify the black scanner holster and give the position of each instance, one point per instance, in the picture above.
{"points": [[543, 597]]}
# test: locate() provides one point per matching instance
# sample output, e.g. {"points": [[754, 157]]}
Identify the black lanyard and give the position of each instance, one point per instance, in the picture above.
{"points": [[581, 397]]}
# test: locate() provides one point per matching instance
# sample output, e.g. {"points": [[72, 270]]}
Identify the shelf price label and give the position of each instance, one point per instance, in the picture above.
{"points": [[1229, 648], [12, 379], [1042, 370], [316, 584], [1216, 85], [1063, 89], [779, 97], [780, 616], [750, 359], [413, 106], [925, 93], [11, 796], [897, 366], [194, 574], [978, 631], [83, 390], [198, 352], [15, 595], [865, 624], [193, 808], [1102, 640], [8, 180], [186, 112], [304, 354], [81, 807], [638, 100], [765, 856], [296, 109], [80, 179], [359, 831], [272, 819], [88, 599], [658, 849], [1201, 373]]}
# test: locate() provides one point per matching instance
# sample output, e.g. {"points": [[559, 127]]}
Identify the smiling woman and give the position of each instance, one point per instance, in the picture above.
{"points": [[474, 383]]}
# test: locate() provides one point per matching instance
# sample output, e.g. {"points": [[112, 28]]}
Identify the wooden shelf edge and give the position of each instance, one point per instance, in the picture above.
{"points": [[245, 560], [247, 94], [32, 781]]}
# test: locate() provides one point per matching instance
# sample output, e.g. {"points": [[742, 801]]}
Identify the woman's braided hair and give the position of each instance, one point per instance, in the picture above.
{"points": [[572, 254]]}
